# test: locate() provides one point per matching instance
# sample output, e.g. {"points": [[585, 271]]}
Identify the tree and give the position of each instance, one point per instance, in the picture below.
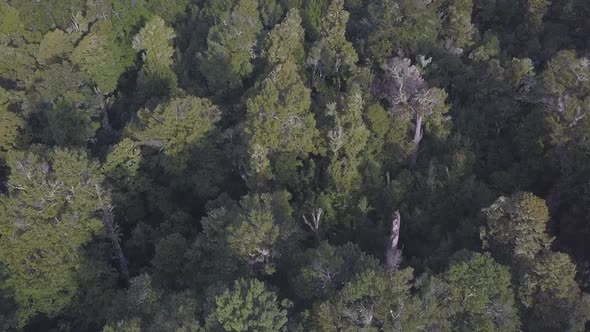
{"points": [[47, 216], [347, 139], [231, 47], [102, 56], [409, 97], [247, 306], [11, 124], [46, 15], [332, 58], [279, 118], [457, 30], [398, 27], [169, 259], [373, 301], [551, 297], [17, 48], [515, 228], [171, 150], [54, 46], [154, 40], [177, 130], [156, 77], [65, 108], [481, 296], [325, 269], [548, 295], [263, 231]]}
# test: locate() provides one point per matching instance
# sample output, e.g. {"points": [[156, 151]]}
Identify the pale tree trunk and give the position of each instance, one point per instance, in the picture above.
{"points": [[392, 253], [418, 133], [315, 222]]}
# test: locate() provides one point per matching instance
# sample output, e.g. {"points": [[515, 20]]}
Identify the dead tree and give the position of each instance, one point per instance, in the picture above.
{"points": [[315, 222], [112, 230], [393, 255], [409, 97]]}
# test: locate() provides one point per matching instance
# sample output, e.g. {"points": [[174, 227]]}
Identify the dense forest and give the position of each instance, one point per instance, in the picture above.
{"points": [[294, 165]]}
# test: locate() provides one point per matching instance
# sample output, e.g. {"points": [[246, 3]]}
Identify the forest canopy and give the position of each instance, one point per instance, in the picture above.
{"points": [[294, 165]]}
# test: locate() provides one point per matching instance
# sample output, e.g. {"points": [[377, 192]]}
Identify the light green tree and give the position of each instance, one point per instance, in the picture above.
{"points": [[551, 298], [264, 230], [480, 295], [332, 58], [457, 29], [55, 45], [347, 139], [515, 227], [155, 40], [279, 117], [248, 305], [156, 78], [17, 46], [48, 214], [231, 44], [376, 300], [102, 56]]}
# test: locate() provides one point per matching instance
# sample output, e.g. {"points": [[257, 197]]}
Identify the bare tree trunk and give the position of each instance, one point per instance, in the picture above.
{"points": [[392, 253], [108, 220], [315, 223], [113, 233], [418, 133]]}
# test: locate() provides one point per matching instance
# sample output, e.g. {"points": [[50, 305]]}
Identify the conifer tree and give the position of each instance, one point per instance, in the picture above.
{"points": [[279, 119]]}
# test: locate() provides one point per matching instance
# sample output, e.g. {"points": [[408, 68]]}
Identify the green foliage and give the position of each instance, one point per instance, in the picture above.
{"points": [[262, 231], [400, 26], [102, 56], [45, 15], [11, 124], [279, 118], [481, 297], [63, 102], [48, 214], [55, 45], [515, 227], [375, 300], [333, 58], [347, 140], [10, 21], [313, 16], [551, 295], [169, 259], [170, 150], [457, 30], [231, 44], [324, 269], [248, 306], [312, 122], [17, 59], [154, 39]]}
